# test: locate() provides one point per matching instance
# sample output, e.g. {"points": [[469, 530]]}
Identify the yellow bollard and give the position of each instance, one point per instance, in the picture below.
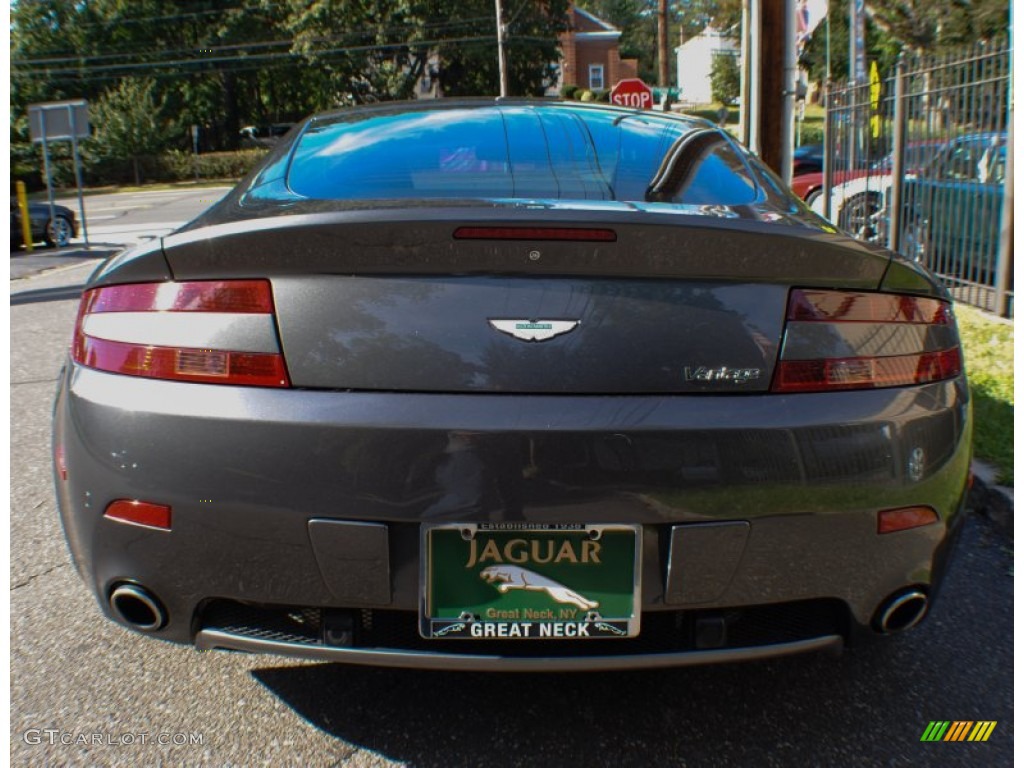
{"points": [[26, 222]]}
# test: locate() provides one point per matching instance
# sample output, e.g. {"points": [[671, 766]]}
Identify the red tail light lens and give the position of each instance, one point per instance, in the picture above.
{"points": [[899, 341], [215, 332]]}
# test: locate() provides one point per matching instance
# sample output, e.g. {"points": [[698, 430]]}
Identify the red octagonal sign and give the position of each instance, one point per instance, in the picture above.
{"points": [[633, 92]]}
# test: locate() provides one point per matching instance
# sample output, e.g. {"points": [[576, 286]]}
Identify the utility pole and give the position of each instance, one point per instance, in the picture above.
{"points": [[502, 66], [789, 76], [663, 44], [773, 64]]}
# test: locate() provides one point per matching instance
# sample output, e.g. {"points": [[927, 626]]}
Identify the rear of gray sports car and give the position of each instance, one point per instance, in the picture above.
{"points": [[513, 386]]}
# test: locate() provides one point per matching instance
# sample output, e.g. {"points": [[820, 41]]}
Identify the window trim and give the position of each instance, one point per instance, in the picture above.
{"points": [[591, 69]]}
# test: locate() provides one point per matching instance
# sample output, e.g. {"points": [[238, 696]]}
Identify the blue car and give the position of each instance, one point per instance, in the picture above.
{"points": [[953, 209]]}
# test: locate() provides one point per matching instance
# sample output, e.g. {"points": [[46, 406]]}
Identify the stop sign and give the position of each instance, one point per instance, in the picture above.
{"points": [[633, 92]]}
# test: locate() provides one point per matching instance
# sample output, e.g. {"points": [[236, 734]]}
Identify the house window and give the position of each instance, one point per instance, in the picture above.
{"points": [[596, 77]]}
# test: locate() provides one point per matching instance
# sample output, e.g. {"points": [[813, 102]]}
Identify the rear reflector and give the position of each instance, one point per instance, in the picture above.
{"points": [[214, 332], [140, 513], [59, 461], [892, 520], [903, 340], [535, 233]]}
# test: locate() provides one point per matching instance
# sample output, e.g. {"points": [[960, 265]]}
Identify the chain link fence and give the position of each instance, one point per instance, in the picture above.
{"points": [[922, 161]]}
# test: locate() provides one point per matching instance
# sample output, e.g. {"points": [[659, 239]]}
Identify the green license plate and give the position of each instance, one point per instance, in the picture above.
{"points": [[515, 581]]}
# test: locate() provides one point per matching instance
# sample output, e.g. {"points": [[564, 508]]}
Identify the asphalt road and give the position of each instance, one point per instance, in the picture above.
{"points": [[79, 682], [116, 221]]}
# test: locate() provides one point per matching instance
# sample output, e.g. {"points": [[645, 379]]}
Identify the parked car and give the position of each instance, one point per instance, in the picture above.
{"points": [[953, 209], [808, 186], [527, 385], [58, 231], [264, 136], [808, 158]]}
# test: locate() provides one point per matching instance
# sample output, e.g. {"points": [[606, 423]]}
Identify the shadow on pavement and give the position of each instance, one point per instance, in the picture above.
{"points": [[870, 707], [63, 293], [25, 264]]}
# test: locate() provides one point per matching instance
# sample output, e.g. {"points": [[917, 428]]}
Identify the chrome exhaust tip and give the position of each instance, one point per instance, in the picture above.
{"points": [[902, 611], [138, 608]]}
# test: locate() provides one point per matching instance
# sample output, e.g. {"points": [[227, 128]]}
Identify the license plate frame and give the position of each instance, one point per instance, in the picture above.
{"points": [[543, 581]]}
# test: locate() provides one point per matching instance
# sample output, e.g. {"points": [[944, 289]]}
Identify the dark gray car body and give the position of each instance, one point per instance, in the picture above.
{"points": [[298, 508], [39, 216]]}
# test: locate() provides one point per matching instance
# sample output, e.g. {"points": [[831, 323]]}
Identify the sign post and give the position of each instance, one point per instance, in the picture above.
{"points": [[632, 92], [195, 150], [73, 120], [61, 121]]}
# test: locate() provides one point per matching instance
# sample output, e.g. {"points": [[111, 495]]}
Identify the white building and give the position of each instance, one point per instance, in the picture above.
{"points": [[693, 64]]}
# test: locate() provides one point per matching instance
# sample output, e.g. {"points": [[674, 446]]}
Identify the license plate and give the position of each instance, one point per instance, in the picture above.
{"points": [[513, 581]]}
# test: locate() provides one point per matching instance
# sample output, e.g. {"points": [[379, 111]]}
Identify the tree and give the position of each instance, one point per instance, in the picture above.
{"points": [[916, 26], [470, 67], [930, 24], [638, 21], [224, 65], [129, 123], [725, 78]]}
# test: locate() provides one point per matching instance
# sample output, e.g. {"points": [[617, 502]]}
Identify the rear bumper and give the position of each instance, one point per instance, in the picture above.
{"points": [[481, 662], [754, 500]]}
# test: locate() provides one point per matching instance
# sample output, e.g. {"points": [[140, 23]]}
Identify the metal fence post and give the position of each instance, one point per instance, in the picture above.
{"points": [[827, 139], [899, 140], [1004, 256]]}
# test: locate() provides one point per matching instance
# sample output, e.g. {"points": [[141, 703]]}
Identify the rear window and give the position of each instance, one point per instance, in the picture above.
{"points": [[532, 153]]}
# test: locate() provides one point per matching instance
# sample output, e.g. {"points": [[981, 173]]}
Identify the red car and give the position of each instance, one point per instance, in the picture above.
{"points": [[807, 186]]}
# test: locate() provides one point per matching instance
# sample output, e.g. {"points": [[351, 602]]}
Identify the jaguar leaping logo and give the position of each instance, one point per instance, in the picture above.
{"points": [[534, 330], [506, 577]]}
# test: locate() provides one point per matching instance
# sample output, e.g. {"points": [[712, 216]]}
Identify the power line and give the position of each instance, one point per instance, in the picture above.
{"points": [[435, 26], [123, 69]]}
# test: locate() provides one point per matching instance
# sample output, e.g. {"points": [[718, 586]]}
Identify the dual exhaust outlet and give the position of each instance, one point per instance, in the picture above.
{"points": [[137, 607], [901, 611]]}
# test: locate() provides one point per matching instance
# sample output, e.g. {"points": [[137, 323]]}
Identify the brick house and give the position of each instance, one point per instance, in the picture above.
{"points": [[590, 54]]}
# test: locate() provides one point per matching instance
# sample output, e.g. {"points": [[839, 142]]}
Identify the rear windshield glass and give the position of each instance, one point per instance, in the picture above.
{"points": [[519, 152]]}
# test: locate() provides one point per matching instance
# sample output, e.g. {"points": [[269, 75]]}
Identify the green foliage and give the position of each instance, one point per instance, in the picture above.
{"points": [[725, 78], [812, 132], [988, 353], [176, 165], [568, 92], [638, 20], [922, 26], [128, 120], [470, 67], [222, 66], [181, 166]]}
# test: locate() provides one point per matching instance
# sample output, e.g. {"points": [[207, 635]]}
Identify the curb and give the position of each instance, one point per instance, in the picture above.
{"points": [[990, 499], [52, 263]]}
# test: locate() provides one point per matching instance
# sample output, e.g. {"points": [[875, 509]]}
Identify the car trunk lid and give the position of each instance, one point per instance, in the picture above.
{"points": [[388, 301]]}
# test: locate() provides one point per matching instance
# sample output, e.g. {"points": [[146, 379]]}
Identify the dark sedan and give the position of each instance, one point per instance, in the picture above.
{"points": [[57, 230], [512, 385]]}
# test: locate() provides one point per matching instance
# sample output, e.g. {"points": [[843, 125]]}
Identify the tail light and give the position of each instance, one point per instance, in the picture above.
{"points": [[215, 332], [837, 340]]}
